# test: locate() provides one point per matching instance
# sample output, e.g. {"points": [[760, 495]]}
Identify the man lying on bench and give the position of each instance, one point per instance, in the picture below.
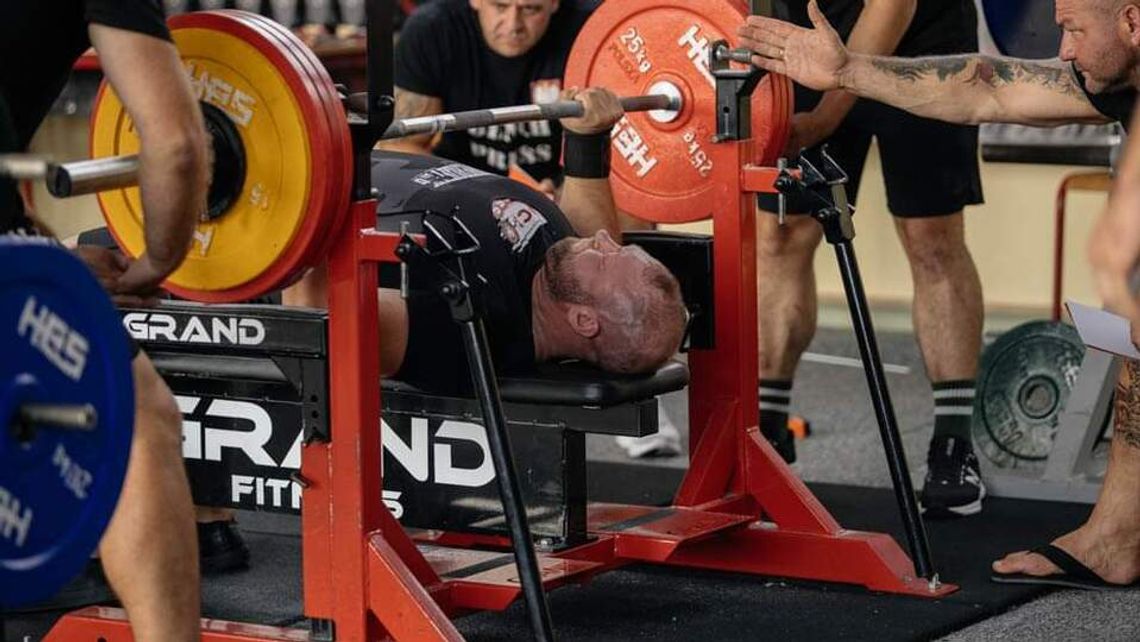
{"points": [[559, 283]]}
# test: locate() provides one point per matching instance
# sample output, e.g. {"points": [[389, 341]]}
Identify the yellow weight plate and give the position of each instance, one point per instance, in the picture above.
{"points": [[251, 79]]}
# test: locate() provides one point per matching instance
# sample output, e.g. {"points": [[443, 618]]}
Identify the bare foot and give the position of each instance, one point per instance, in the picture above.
{"points": [[1113, 556]]}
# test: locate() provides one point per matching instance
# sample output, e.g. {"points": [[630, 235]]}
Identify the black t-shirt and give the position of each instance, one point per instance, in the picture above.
{"points": [[514, 225], [442, 53], [939, 27], [1117, 105], [39, 43], [10, 203]]}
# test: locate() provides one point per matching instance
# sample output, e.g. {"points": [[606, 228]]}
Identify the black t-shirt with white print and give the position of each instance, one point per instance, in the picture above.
{"points": [[442, 53], [514, 225], [39, 43]]}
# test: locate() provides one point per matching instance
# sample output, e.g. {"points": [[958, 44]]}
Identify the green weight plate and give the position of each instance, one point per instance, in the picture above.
{"points": [[1023, 385]]}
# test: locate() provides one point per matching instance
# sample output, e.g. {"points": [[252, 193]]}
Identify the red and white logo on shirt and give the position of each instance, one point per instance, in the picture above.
{"points": [[545, 90], [518, 222]]}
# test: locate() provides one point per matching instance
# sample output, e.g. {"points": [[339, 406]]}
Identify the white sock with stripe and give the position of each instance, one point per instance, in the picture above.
{"points": [[953, 408]]}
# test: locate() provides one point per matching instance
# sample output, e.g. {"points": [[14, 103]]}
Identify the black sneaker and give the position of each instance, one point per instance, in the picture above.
{"points": [[784, 442], [221, 548], [953, 486]]}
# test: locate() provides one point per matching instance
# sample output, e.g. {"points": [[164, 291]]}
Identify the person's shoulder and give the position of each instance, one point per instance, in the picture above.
{"points": [[437, 14], [578, 11], [140, 16], [583, 6], [567, 23]]}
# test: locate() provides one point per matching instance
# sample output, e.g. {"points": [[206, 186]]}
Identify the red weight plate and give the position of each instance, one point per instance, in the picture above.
{"points": [[337, 122], [289, 42], [338, 125], [663, 168], [781, 119]]}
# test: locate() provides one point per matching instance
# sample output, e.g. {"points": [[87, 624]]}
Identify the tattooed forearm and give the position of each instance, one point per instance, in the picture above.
{"points": [[981, 70], [410, 104], [1126, 425], [915, 69]]}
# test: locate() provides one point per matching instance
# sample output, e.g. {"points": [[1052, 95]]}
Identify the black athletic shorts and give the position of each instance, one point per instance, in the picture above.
{"points": [[930, 167]]}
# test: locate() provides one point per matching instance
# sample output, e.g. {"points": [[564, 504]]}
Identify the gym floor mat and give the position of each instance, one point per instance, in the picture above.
{"points": [[673, 604]]}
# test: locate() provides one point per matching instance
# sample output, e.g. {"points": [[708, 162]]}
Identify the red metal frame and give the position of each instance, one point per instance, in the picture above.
{"points": [[740, 508], [1099, 181]]}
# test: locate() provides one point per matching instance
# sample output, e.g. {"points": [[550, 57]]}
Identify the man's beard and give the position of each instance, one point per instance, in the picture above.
{"points": [[1123, 79], [559, 281]]}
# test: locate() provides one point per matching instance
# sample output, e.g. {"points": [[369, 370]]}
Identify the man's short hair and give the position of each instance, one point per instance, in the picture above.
{"points": [[641, 324], [641, 321]]}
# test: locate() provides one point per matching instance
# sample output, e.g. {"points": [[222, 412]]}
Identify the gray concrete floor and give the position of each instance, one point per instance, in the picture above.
{"points": [[845, 448]]}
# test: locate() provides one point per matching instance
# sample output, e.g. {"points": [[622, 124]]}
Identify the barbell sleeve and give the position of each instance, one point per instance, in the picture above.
{"points": [[91, 176], [117, 172], [76, 178], [82, 417], [440, 123]]}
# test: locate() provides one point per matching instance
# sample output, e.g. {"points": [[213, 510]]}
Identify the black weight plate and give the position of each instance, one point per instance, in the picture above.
{"points": [[1023, 385]]}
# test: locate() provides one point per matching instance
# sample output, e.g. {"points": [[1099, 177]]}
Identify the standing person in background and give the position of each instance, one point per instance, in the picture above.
{"points": [[931, 172]]}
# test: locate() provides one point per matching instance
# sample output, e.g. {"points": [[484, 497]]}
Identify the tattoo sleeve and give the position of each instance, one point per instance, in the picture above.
{"points": [[980, 70], [410, 104], [1127, 423]]}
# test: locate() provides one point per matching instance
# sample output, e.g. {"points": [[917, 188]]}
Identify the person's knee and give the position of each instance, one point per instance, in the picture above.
{"points": [[798, 238], [936, 247]]}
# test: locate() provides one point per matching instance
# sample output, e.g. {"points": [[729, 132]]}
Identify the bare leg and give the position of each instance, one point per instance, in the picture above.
{"points": [[310, 292], [150, 552], [1109, 542], [948, 308], [787, 292]]}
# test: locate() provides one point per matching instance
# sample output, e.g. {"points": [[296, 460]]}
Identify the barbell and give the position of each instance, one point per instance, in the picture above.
{"points": [[114, 172], [283, 152]]}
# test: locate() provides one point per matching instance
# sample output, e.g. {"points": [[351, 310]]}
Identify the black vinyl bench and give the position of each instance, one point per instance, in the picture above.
{"points": [[567, 396]]}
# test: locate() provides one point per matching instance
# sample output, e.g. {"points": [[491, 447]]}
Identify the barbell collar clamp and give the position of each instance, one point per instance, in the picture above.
{"points": [[742, 56]]}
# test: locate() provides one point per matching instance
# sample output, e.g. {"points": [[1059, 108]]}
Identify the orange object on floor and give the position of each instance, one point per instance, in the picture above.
{"points": [[799, 426]]}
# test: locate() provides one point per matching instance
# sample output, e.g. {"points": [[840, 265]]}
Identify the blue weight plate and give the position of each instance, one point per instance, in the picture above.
{"points": [[62, 343], [1023, 28], [1022, 388]]}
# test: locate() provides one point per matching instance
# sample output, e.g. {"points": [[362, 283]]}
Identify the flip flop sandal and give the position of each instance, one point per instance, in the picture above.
{"points": [[1073, 574]]}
